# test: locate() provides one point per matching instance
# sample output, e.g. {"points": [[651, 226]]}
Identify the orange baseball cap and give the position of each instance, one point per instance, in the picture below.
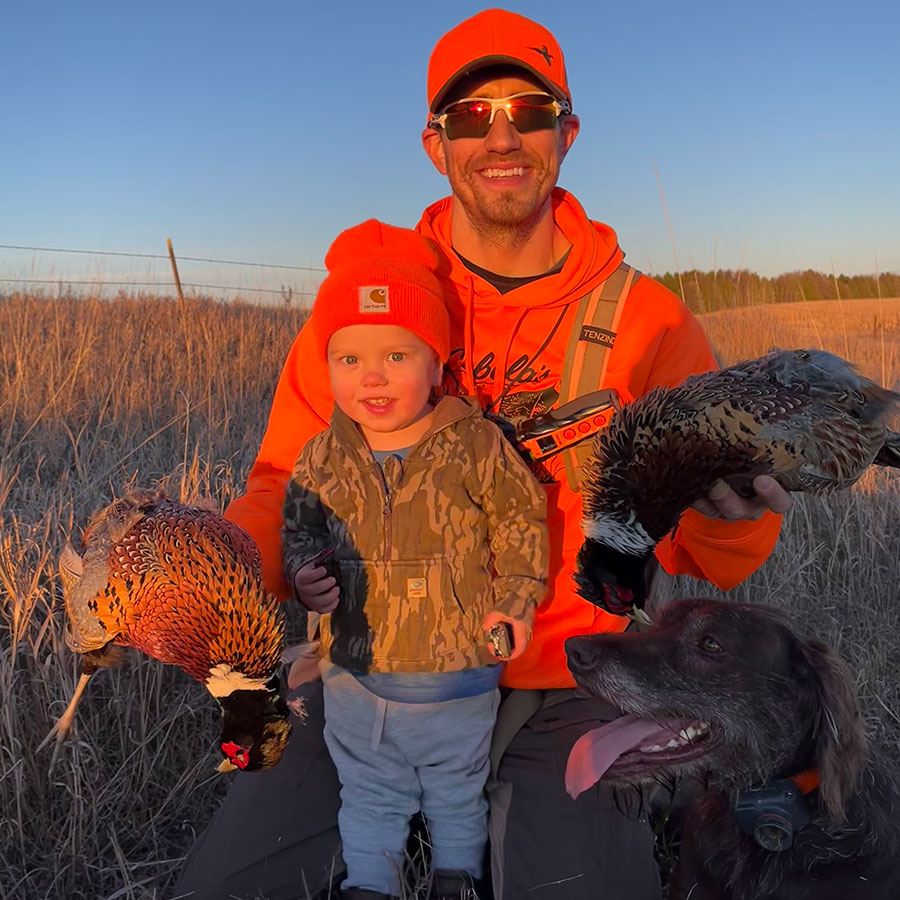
{"points": [[496, 37]]}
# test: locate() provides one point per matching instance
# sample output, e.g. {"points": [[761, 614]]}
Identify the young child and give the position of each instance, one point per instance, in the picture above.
{"points": [[439, 533]]}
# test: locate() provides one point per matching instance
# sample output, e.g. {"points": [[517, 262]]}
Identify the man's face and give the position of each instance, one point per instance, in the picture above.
{"points": [[503, 181]]}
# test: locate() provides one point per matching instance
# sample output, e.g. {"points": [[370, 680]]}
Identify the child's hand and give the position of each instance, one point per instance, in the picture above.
{"points": [[316, 589], [520, 634]]}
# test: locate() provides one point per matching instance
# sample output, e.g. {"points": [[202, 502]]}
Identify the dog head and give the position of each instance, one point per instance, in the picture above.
{"points": [[721, 690]]}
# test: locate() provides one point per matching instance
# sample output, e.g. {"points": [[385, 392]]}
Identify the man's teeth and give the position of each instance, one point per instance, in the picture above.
{"points": [[503, 173]]}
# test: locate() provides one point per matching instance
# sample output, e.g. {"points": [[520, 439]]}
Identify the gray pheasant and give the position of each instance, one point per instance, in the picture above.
{"points": [[806, 417]]}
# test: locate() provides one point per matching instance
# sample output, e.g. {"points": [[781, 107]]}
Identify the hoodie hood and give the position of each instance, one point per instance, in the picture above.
{"points": [[595, 255]]}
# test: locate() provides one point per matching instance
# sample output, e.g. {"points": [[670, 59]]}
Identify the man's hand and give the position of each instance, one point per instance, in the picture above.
{"points": [[316, 589], [520, 634], [723, 503]]}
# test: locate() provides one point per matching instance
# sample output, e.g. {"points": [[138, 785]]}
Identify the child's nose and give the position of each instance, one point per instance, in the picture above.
{"points": [[373, 376]]}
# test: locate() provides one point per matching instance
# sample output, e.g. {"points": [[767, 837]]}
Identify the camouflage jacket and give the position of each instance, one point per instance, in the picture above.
{"points": [[426, 546]]}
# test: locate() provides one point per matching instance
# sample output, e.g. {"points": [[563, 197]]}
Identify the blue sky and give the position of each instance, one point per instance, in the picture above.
{"points": [[258, 131]]}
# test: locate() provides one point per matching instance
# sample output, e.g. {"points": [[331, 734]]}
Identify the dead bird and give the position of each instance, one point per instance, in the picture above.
{"points": [[805, 417], [183, 585]]}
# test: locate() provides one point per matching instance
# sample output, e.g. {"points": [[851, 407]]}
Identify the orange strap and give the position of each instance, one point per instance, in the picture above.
{"points": [[807, 780], [587, 356]]}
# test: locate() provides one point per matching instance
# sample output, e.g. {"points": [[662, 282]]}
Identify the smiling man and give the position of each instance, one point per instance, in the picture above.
{"points": [[525, 271], [502, 180]]}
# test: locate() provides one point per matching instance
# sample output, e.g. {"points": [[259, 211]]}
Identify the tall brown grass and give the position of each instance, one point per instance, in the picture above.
{"points": [[95, 394]]}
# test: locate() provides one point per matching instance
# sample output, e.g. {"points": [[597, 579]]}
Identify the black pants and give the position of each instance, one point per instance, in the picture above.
{"points": [[276, 838], [544, 844]]}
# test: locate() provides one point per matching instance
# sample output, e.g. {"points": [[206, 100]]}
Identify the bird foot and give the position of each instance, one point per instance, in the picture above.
{"points": [[64, 724], [61, 731]]}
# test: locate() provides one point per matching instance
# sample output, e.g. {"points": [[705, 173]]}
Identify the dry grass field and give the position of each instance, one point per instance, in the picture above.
{"points": [[96, 394]]}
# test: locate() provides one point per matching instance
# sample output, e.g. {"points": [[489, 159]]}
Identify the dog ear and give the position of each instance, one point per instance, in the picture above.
{"points": [[840, 736]]}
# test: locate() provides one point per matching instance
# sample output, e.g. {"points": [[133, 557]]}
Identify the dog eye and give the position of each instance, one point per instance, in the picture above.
{"points": [[710, 644]]}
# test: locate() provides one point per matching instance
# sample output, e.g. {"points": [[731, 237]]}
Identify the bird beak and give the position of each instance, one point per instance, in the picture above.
{"points": [[226, 766], [638, 616]]}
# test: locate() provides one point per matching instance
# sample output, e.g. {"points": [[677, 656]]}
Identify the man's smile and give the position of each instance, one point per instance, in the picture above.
{"points": [[502, 173]]}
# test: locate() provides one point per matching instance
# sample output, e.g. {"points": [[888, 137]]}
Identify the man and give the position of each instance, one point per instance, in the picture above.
{"points": [[520, 255]]}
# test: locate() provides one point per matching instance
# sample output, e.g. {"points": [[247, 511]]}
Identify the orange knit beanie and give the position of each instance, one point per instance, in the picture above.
{"points": [[382, 275]]}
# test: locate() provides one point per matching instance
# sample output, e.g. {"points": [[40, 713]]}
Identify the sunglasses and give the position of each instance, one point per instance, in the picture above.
{"points": [[472, 117]]}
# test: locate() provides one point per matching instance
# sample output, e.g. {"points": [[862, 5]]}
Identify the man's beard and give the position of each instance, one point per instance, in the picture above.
{"points": [[502, 219]]}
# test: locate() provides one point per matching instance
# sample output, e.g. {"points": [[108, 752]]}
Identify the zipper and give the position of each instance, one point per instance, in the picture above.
{"points": [[386, 515]]}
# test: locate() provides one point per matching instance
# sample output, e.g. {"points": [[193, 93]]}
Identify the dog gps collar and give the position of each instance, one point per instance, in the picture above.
{"points": [[774, 813]]}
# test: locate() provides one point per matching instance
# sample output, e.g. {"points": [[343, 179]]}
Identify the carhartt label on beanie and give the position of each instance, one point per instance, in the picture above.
{"points": [[374, 299], [382, 275]]}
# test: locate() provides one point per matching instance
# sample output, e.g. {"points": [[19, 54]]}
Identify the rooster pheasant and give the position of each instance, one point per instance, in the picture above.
{"points": [[183, 585], [805, 417]]}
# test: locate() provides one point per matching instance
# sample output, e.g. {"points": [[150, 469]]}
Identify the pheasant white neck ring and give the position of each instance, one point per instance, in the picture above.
{"points": [[224, 680], [626, 537]]}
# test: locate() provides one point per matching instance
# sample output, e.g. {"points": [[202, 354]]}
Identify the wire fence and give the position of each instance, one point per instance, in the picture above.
{"points": [[298, 284]]}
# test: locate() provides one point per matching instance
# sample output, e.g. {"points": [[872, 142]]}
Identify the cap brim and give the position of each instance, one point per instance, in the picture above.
{"points": [[485, 61]]}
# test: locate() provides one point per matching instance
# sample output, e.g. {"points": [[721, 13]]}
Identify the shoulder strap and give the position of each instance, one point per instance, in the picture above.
{"points": [[587, 356]]}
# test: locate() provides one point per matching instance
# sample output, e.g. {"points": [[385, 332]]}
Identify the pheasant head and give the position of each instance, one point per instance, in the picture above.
{"points": [[255, 728], [609, 578]]}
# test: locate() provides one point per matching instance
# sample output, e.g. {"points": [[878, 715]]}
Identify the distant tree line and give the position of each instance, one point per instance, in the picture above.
{"points": [[727, 288]]}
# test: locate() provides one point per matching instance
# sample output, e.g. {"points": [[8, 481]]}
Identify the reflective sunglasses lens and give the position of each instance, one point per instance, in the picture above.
{"points": [[533, 112], [532, 119], [467, 120]]}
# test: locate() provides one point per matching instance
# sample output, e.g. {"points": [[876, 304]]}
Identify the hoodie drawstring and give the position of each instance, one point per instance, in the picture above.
{"points": [[469, 336]]}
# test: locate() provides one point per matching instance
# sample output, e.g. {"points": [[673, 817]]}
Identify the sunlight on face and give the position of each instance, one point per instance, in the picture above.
{"points": [[382, 377], [503, 181]]}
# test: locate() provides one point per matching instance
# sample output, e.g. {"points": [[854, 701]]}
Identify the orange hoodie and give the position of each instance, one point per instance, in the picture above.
{"points": [[509, 349]]}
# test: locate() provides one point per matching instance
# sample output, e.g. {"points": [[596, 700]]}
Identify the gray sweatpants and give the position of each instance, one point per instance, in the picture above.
{"points": [[276, 837], [394, 759]]}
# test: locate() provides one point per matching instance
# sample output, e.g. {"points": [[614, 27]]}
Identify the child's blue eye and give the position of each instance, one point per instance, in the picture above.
{"points": [[397, 357], [349, 360]]}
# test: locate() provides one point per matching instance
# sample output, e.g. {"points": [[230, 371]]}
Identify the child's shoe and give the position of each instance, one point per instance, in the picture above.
{"points": [[453, 884], [355, 893]]}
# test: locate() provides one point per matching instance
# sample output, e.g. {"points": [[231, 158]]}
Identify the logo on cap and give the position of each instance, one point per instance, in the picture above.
{"points": [[543, 51], [373, 299]]}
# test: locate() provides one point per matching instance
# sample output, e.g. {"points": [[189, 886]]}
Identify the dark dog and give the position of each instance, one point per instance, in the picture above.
{"points": [[731, 694]]}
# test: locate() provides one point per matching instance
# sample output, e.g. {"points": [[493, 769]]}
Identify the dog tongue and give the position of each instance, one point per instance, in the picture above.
{"points": [[597, 750]]}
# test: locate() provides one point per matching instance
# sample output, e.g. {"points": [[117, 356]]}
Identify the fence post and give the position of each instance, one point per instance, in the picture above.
{"points": [[175, 271], [183, 310]]}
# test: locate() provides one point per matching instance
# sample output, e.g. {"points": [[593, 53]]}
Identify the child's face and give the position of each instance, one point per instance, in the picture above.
{"points": [[382, 377]]}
